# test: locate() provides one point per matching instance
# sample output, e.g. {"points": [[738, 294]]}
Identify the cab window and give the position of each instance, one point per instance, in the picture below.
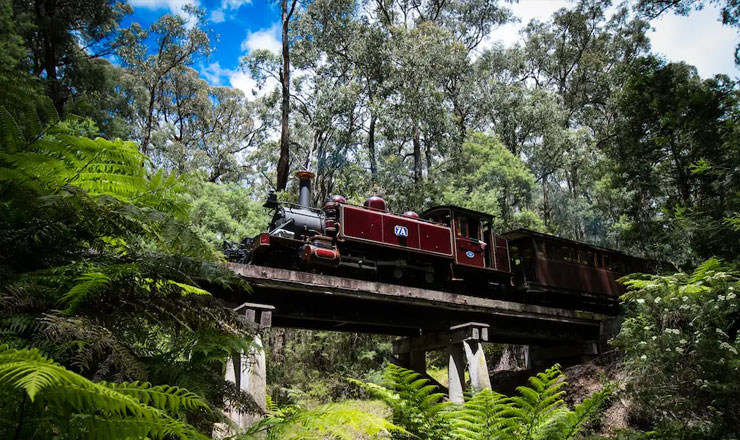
{"points": [[467, 227]]}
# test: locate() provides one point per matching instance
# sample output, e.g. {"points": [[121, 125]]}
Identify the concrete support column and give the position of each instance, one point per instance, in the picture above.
{"points": [[248, 372], [456, 372], [477, 366], [462, 341]]}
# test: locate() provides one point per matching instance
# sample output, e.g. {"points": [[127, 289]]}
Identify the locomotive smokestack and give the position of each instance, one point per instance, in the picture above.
{"points": [[304, 192]]}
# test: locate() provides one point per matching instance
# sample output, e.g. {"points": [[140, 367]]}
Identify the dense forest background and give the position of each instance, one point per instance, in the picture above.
{"points": [[123, 171]]}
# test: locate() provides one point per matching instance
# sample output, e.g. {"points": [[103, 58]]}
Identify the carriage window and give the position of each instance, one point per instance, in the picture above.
{"points": [[617, 264], [569, 255], [526, 253], [599, 262], [540, 245], [563, 253], [587, 258], [514, 252]]}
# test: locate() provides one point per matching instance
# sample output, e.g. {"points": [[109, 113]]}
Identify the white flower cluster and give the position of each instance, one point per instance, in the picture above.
{"points": [[728, 347]]}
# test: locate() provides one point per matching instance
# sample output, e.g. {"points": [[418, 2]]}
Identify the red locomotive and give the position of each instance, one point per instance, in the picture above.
{"points": [[447, 247]]}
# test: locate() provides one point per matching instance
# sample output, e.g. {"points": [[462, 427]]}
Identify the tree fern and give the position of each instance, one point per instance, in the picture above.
{"points": [[487, 415], [540, 405], [102, 271], [417, 405], [60, 397], [538, 412]]}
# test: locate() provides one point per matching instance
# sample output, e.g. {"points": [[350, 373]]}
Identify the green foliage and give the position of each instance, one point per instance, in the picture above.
{"points": [[417, 405], [681, 344], [54, 400], [225, 212], [486, 415], [102, 271], [537, 412], [676, 135], [333, 421], [326, 359], [487, 177]]}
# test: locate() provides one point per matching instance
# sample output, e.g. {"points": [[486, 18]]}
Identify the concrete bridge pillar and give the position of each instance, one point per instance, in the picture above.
{"points": [[248, 370], [463, 345]]}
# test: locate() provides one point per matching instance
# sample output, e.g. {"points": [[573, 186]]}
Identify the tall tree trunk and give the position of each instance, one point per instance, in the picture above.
{"points": [[371, 148], [284, 160], [545, 201], [417, 155], [149, 120], [48, 59]]}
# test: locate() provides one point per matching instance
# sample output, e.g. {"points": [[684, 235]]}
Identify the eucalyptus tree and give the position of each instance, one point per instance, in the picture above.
{"points": [[487, 177], [683, 129], [153, 54], [430, 49], [582, 57], [60, 37], [205, 129], [287, 9]]}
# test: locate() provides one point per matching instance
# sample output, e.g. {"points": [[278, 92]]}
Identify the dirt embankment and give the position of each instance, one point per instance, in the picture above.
{"points": [[583, 379]]}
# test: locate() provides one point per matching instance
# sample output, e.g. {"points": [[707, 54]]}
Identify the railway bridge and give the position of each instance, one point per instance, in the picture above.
{"points": [[423, 319]]}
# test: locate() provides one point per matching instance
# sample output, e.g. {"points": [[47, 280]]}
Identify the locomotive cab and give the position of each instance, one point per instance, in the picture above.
{"points": [[475, 243]]}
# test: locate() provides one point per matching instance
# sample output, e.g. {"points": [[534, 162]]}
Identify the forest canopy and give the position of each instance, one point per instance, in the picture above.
{"points": [[123, 171]]}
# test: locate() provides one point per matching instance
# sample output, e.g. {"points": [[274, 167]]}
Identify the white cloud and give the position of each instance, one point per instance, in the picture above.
{"points": [[268, 39], [175, 6], [234, 4], [526, 11], [236, 78], [244, 82], [699, 39], [227, 10], [215, 74], [217, 16]]}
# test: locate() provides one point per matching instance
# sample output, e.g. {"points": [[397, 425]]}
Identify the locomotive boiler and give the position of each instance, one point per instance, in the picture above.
{"points": [[445, 247]]}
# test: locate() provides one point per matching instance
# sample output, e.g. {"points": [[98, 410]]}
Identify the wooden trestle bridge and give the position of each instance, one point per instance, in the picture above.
{"points": [[424, 320]]}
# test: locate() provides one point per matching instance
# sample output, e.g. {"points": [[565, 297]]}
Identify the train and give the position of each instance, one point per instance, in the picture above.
{"points": [[445, 248]]}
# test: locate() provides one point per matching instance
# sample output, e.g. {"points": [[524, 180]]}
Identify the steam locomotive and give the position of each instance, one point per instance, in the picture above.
{"points": [[445, 247]]}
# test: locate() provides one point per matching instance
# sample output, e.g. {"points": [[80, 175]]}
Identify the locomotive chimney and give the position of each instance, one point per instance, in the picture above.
{"points": [[304, 192]]}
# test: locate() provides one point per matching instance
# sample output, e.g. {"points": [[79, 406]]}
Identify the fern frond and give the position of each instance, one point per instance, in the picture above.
{"points": [[164, 397], [581, 414], [10, 132], [81, 404], [187, 289], [88, 284]]}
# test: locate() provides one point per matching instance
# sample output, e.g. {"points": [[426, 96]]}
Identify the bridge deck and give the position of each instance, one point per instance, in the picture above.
{"points": [[317, 301]]}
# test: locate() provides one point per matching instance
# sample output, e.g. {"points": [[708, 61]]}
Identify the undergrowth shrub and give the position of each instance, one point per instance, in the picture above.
{"points": [[537, 412], [681, 344]]}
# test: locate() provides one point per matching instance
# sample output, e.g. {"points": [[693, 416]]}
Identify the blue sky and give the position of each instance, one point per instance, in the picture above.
{"points": [[242, 26]]}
